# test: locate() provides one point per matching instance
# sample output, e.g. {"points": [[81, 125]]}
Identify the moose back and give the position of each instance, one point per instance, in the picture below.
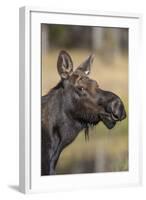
{"points": [[74, 104]]}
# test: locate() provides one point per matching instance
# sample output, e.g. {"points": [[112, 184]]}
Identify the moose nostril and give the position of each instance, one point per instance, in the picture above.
{"points": [[115, 117], [117, 110]]}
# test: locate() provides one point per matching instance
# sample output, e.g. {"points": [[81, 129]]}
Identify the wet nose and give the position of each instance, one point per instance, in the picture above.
{"points": [[116, 108]]}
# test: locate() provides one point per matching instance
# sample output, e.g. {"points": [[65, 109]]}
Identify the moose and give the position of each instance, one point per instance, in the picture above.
{"points": [[74, 104]]}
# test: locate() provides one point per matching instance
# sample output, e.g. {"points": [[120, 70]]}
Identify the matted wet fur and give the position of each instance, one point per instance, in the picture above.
{"points": [[75, 103]]}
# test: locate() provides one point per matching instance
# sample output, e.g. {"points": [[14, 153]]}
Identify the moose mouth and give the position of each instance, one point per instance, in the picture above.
{"points": [[109, 123], [109, 120]]}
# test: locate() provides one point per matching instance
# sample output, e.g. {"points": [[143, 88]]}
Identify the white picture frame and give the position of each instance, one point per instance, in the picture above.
{"points": [[30, 179]]}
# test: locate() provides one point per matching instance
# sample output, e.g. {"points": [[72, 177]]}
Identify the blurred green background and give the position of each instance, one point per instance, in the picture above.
{"points": [[106, 150]]}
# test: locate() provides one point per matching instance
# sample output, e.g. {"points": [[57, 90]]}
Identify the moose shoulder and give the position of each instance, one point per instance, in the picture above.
{"points": [[74, 104]]}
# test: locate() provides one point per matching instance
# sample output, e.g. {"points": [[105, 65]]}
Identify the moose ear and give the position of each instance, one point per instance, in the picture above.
{"points": [[64, 65], [86, 65]]}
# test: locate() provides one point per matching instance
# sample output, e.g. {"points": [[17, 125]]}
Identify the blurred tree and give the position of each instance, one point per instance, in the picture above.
{"points": [[70, 36], [106, 41], [45, 38]]}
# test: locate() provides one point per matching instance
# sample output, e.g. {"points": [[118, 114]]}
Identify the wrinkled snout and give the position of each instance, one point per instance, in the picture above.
{"points": [[116, 108], [112, 108]]}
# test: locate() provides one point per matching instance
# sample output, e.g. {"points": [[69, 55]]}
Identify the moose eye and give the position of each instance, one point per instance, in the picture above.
{"points": [[81, 89]]}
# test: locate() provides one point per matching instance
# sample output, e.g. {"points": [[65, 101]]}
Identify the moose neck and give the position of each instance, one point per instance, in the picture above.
{"points": [[72, 124]]}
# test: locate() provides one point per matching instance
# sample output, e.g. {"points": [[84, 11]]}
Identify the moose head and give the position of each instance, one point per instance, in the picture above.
{"points": [[88, 103], [74, 104]]}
